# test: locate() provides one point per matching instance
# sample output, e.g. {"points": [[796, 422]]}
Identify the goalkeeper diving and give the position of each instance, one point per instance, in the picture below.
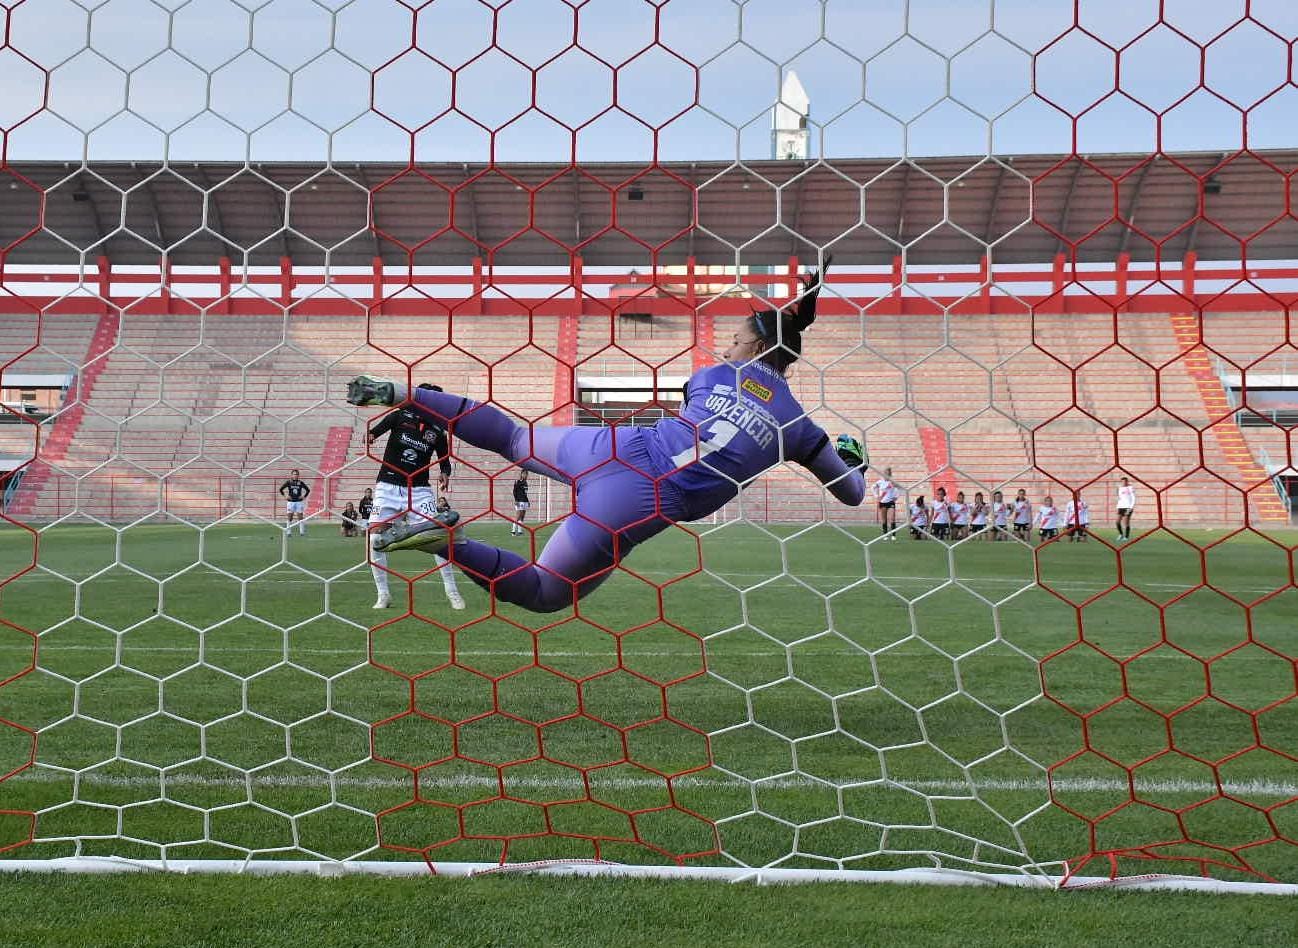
{"points": [[738, 420]]}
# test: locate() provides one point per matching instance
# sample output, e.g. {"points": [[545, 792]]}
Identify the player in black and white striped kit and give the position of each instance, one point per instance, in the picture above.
{"points": [[415, 443], [521, 503], [295, 491]]}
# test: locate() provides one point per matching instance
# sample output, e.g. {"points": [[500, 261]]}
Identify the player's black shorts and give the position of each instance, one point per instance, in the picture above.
{"points": [[887, 505], [940, 530], [1049, 533], [978, 528], [1124, 511]]}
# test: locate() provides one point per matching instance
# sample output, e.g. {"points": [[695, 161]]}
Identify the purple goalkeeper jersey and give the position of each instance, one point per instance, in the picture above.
{"points": [[737, 422]]}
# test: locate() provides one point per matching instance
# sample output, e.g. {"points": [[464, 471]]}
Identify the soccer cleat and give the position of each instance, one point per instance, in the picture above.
{"points": [[367, 390], [383, 602], [457, 601], [416, 536]]}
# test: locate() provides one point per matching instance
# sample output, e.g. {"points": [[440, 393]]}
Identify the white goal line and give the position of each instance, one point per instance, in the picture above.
{"points": [[1029, 877]]}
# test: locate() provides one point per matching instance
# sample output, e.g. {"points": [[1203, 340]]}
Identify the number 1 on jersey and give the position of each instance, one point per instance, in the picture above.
{"points": [[719, 435]]}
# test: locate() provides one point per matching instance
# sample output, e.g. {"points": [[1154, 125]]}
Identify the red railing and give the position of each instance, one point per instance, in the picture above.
{"points": [[1058, 287]]}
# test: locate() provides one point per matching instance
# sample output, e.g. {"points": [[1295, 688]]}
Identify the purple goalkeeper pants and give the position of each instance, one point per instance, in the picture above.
{"points": [[618, 502]]}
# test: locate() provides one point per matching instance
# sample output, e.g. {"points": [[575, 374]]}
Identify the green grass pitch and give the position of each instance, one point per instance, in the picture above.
{"points": [[162, 911], [870, 704]]}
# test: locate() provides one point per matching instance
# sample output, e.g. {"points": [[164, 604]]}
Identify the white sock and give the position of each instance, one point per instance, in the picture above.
{"points": [[448, 578], [377, 562]]}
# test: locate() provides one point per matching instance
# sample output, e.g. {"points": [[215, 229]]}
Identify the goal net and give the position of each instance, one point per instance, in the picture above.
{"points": [[1063, 243]]}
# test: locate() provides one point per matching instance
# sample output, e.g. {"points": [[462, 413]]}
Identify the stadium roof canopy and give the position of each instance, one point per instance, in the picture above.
{"points": [[941, 211]]}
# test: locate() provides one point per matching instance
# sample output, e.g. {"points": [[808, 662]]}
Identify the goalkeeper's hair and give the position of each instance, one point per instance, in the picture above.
{"points": [[782, 330]]}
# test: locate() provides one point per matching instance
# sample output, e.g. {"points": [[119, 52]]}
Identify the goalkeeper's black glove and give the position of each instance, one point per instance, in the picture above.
{"points": [[850, 450]]}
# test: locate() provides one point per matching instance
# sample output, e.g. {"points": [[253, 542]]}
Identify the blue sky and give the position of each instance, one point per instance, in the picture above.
{"points": [[291, 79]]}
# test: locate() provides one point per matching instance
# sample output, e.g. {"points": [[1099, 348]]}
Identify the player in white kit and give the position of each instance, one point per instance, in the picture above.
{"points": [[1048, 519], [1000, 517], [885, 495], [1126, 506], [919, 516]]}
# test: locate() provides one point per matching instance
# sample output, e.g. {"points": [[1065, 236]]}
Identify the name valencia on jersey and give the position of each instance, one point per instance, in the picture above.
{"points": [[753, 420]]}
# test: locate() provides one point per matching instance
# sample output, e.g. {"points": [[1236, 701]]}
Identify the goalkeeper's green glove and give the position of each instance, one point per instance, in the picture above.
{"points": [[850, 450]]}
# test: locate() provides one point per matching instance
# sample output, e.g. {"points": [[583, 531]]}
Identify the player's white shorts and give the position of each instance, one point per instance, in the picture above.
{"points": [[296, 506], [392, 501], [522, 505]]}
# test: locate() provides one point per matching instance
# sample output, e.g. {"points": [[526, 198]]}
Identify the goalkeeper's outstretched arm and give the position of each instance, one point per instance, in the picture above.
{"points": [[846, 482]]}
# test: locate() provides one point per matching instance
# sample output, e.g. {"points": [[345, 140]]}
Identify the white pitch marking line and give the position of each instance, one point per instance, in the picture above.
{"points": [[1025, 582], [717, 658], [1245, 788]]}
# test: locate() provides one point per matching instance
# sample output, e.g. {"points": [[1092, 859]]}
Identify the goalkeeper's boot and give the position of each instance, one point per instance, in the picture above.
{"points": [[417, 536], [367, 390]]}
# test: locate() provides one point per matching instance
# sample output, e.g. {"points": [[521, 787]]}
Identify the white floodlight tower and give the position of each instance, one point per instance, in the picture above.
{"points": [[790, 138]]}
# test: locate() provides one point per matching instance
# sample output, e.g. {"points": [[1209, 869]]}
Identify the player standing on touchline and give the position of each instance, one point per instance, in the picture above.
{"points": [[416, 440], [738, 420], [295, 491], [522, 503], [1126, 506]]}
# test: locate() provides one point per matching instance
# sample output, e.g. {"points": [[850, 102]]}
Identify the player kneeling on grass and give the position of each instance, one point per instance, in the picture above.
{"points": [[919, 517], [630, 483], [351, 520], [1076, 517]]}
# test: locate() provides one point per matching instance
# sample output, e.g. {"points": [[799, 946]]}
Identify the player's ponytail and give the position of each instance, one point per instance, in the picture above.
{"points": [[782, 330]]}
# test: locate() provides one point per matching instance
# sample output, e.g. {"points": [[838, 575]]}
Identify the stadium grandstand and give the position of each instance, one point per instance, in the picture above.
{"points": [[550, 329]]}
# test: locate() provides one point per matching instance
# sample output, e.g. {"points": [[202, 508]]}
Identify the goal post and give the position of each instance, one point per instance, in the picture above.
{"points": [[1063, 264]]}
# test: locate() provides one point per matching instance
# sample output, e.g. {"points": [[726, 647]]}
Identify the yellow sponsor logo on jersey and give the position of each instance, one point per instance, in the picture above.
{"points": [[757, 389]]}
